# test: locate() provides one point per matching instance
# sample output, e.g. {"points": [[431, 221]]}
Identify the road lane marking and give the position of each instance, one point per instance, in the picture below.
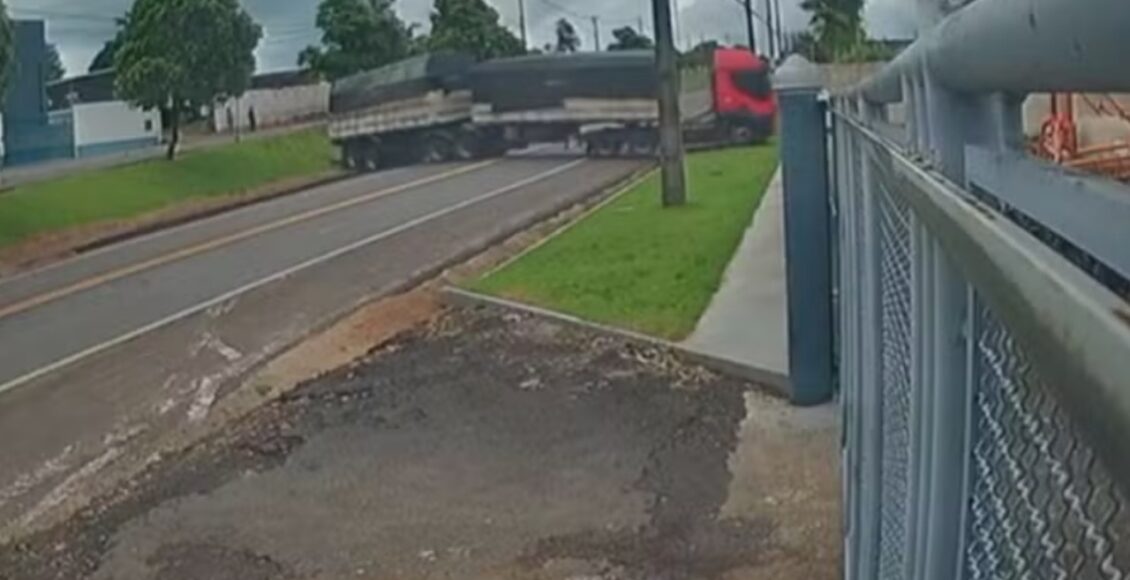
{"points": [[280, 275], [215, 243]]}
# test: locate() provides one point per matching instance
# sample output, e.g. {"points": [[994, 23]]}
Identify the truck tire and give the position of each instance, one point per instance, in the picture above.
{"points": [[604, 146], [742, 135], [437, 148], [368, 156], [644, 143], [352, 156]]}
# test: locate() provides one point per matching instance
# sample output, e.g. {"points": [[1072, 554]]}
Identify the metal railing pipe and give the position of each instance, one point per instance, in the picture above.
{"points": [[1020, 46]]}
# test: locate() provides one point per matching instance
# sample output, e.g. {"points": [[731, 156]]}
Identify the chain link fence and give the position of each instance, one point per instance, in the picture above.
{"points": [[982, 471]]}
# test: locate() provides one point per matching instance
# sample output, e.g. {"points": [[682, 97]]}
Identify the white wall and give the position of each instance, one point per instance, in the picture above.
{"points": [[274, 106], [114, 122]]}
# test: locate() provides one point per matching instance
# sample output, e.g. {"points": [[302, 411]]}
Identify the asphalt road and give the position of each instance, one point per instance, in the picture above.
{"points": [[95, 350], [486, 445]]}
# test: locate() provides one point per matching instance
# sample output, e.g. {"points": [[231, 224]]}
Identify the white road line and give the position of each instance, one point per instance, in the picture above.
{"points": [[65, 362]]}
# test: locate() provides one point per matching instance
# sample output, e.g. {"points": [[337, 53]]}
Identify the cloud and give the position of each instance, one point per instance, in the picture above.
{"points": [[80, 29]]}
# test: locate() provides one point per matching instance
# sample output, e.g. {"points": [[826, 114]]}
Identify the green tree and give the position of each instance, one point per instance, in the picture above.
{"points": [[567, 38], [628, 39], [357, 35], [837, 27], [471, 27], [105, 57], [55, 69], [184, 55], [702, 55]]}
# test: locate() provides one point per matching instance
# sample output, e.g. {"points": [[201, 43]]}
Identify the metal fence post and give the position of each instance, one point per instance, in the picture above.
{"points": [[807, 231]]}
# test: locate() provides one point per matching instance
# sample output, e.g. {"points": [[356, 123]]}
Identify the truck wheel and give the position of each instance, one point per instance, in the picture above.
{"points": [[436, 149], [370, 158], [742, 135], [606, 147], [349, 159], [643, 145]]}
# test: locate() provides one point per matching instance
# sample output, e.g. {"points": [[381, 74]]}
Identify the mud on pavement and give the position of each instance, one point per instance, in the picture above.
{"points": [[487, 445]]}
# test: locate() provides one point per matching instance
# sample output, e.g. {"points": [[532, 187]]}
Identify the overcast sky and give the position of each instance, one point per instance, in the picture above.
{"points": [[79, 28]]}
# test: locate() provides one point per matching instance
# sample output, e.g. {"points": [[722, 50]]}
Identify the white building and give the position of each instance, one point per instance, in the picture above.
{"points": [[100, 124]]}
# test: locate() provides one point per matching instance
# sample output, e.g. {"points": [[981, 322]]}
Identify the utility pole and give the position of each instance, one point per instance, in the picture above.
{"points": [[670, 123], [780, 30], [770, 27], [596, 32], [748, 5], [522, 24]]}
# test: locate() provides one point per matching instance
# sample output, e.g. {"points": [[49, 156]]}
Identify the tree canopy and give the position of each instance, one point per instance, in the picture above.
{"points": [[55, 69], [702, 55], [567, 38], [472, 27], [105, 57], [357, 35], [628, 39], [836, 26], [184, 55]]}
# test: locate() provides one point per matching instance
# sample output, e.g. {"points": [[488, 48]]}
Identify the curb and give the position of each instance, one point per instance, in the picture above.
{"points": [[777, 383]]}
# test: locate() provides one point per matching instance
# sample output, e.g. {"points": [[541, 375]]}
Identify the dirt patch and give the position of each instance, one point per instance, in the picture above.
{"points": [[484, 445], [49, 247]]}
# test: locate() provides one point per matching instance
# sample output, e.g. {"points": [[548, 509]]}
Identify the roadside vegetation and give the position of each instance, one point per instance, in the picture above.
{"points": [[134, 190], [636, 265]]}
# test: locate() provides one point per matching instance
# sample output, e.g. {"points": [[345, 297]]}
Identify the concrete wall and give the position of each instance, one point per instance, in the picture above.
{"points": [[112, 127], [274, 107], [27, 144]]}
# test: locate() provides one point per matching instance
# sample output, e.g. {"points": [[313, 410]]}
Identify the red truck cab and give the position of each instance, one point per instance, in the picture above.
{"points": [[743, 95]]}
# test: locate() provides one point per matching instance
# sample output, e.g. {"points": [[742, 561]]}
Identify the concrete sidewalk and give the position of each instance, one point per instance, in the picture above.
{"points": [[747, 322]]}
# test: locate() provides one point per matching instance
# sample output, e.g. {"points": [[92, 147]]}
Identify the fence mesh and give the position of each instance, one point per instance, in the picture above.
{"points": [[895, 313], [1036, 502], [1042, 505]]}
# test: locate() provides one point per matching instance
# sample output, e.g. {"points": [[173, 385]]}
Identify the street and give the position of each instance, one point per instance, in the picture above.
{"points": [[103, 348]]}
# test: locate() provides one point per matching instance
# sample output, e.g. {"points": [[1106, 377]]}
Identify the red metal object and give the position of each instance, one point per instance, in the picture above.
{"points": [[1059, 137], [741, 84]]}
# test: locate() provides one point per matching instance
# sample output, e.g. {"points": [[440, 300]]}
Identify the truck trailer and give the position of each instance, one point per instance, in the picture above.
{"points": [[413, 111], [444, 107], [609, 101]]}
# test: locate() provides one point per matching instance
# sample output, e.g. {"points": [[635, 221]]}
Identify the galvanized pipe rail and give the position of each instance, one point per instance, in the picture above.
{"points": [[983, 352]]}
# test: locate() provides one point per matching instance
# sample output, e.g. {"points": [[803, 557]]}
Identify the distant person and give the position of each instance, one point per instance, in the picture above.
{"points": [[231, 120], [251, 120]]}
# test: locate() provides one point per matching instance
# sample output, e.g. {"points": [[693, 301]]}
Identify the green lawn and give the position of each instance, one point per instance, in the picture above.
{"points": [[636, 265], [132, 190]]}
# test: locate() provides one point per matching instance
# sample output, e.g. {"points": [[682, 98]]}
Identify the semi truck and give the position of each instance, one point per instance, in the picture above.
{"points": [[443, 107]]}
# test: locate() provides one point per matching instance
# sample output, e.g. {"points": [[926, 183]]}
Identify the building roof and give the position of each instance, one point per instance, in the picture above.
{"points": [[95, 87], [98, 86]]}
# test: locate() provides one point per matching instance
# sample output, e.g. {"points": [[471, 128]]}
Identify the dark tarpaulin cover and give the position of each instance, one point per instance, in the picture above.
{"points": [[406, 79], [545, 81]]}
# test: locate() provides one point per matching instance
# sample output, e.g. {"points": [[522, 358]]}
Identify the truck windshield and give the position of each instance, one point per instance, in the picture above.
{"points": [[753, 83]]}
